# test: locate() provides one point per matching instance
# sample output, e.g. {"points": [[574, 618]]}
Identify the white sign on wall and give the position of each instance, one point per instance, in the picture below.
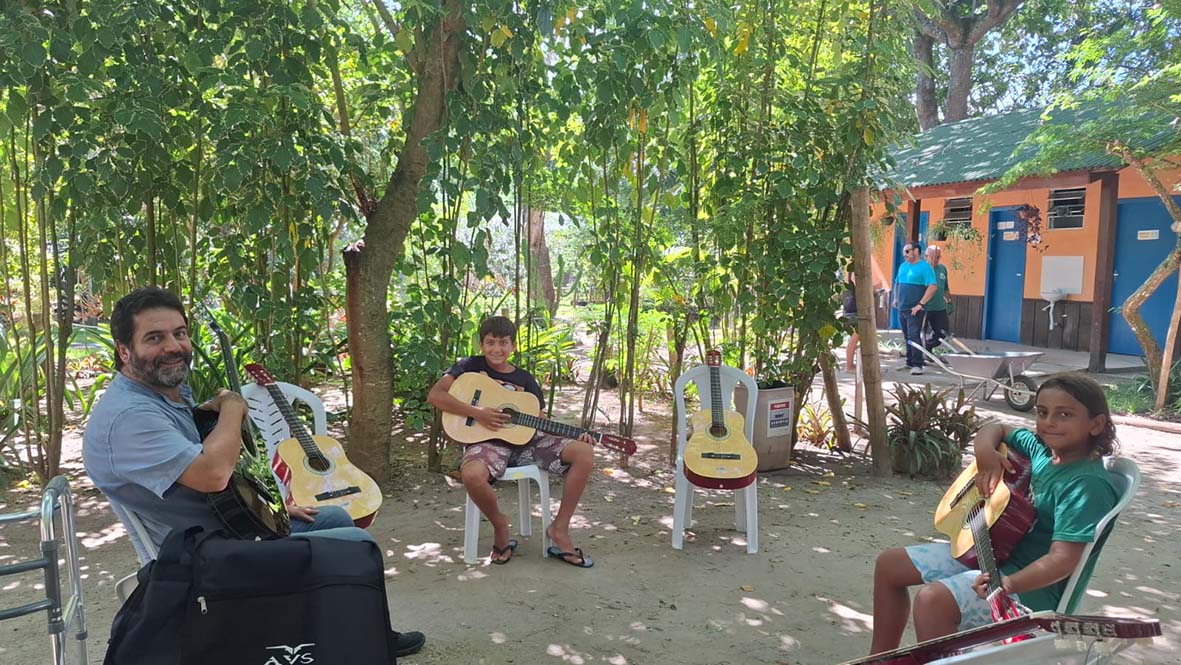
{"points": [[1062, 274], [1009, 235], [1004, 226], [1148, 235]]}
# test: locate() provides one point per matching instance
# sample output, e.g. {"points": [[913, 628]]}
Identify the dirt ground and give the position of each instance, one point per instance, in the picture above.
{"points": [[803, 599]]}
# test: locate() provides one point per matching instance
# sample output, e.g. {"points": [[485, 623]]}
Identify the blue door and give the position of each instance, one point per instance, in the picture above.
{"points": [[901, 230], [1142, 240], [1005, 289]]}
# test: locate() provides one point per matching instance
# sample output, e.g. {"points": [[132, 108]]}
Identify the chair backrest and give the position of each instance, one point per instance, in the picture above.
{"points": [[1125, 478], [270, 422], [699, 375], [141, 540]]}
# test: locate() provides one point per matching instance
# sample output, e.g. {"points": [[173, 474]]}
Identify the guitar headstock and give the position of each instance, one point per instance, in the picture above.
{"points": [[616, 443], [261, 376], [713, 358], [210, 319]]}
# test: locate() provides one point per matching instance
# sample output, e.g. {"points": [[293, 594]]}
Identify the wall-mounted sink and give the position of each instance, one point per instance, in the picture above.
{"points": [[1053, 296]]}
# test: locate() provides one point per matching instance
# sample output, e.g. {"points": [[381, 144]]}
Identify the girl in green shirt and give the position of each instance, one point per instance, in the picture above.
{"points": [[1071, 494]]}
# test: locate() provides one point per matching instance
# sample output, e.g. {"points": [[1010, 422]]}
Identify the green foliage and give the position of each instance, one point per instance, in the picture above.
{"points": [[700, 157], [928, 430], [815, 426]]}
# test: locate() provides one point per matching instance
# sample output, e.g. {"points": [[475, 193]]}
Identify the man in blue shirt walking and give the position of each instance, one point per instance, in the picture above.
{"points": [[914, 287]]}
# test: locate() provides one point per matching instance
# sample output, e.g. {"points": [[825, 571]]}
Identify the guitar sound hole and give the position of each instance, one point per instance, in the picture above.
{"points": [[319, 463], [717, 430]]}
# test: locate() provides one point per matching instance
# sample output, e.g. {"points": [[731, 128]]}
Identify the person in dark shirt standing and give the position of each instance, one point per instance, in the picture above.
{"points": [[486, 461]]}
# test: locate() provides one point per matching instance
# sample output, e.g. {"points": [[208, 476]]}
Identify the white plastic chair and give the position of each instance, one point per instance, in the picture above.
{"points": [[270, 422], [141, 540], [1125, 478], [521, 474], [746, 507]]}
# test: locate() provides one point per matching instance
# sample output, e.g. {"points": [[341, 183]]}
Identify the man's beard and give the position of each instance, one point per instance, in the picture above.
{"points": [[152, 373]]}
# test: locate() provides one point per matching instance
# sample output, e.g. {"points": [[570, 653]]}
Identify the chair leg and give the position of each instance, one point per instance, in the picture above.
{"points": [[682, 505], [752, 517], [524, 508], [546, 518], [471, 531], [740, 509]]}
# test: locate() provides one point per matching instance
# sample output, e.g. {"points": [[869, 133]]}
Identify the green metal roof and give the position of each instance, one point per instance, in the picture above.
{"points": [[983, 149]]}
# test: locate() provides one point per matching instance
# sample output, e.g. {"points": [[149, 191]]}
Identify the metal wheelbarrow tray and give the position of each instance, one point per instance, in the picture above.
{"points": [[990, 371]]}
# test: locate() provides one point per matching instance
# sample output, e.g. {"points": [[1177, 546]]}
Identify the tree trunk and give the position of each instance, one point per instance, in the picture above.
{"points": [[926, 105], [959, 25], [840, 424], [960, 84], [1158, 363], [543, 281], [1162, 385], [1131, 312], [870, 358], [369, 264]]}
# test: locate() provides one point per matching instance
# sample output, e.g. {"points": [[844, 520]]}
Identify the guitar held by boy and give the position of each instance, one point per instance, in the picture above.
{"points": [[717, 454], [321, 473], [523, 412]]}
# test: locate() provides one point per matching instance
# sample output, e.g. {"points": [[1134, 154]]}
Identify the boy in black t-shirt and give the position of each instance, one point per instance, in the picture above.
{"points": [[486, 461]]}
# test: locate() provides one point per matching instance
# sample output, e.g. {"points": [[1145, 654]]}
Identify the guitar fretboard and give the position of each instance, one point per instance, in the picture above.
{"points": [[298, 429], [715, 392], [550, 426]]}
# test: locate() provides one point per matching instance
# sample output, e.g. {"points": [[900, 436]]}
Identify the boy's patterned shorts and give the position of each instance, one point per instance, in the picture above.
{"points": [[544, 450], [935, 563]]}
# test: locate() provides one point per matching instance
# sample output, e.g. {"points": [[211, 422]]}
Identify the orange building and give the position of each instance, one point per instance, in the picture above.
{"points": [[1046, 262]]}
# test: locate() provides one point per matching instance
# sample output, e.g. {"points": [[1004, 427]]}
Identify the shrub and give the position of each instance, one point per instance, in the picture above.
{"points": [[928, 430], [815, 427]]}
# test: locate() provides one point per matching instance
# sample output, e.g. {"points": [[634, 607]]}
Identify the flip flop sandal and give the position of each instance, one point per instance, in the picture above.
{"points": [[585, 561], [501, 551]]}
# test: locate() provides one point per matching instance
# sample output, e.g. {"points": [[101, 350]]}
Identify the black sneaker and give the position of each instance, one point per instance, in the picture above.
{"points": [[405, 644]]}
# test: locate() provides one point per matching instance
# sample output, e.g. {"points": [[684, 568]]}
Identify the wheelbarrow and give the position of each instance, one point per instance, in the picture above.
{"points": [[989, 371]]}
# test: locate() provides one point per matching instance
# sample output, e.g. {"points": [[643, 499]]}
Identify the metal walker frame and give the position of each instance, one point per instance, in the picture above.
{"points": [[61, 615]]}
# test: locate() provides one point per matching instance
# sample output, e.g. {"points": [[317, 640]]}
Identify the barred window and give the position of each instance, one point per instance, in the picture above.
{"points": [[958, 211], [1066, 208]]}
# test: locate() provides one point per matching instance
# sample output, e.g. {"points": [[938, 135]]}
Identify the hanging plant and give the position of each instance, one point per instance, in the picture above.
{"points": [[1029, 225]]}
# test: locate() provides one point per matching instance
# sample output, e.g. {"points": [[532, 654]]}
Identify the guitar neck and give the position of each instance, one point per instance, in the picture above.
{"points": [[227, 350], [715, 392], [227, 357], [983, 542], [618, 444], [298, 430], [551, 426]]}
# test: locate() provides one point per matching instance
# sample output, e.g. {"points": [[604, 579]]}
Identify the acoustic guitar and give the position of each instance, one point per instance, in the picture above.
{"points": [[1006, 516], [321, 473], [247, 507], [717, 454], [524, 416], [1065, 626]]}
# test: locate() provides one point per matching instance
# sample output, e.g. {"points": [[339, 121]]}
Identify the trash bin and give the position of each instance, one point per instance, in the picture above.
{"points": [[774, 424]]}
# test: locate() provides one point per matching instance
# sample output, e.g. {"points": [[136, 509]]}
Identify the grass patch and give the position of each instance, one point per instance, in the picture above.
{"points": [[1137, 397]]}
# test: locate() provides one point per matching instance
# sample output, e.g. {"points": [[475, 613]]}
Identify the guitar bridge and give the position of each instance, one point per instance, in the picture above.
{"points": [[334, 494], [721, 456]]}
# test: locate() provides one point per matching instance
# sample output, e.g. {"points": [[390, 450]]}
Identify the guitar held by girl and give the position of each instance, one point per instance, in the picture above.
{"points": [[1071, 494]]}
